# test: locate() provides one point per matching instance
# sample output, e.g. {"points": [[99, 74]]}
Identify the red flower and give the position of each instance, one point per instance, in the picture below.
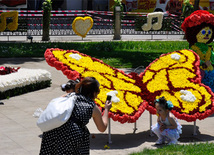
{"points": [[197, 18], [2, 68], [7, 70]]}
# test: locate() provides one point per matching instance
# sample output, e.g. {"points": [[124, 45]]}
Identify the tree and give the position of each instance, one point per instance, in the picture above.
{"points": [[187, 8], [196, 5], [47, 7], [56, 4]]}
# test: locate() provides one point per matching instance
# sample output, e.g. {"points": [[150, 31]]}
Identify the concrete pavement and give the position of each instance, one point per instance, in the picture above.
{"points": [[19, 134], [97, 38]]}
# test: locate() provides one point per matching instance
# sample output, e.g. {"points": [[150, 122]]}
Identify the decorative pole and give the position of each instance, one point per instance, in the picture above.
{"points": [[118, 8]]}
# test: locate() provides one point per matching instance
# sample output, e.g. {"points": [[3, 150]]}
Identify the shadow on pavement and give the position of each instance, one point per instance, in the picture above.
{"points": [[120, 141], [187, 135], [124, 141], [17, 61]]}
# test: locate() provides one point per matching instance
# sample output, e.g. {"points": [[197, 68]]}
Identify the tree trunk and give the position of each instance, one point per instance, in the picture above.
{"points": [[196, 5], [85, 4], [46, 26]]}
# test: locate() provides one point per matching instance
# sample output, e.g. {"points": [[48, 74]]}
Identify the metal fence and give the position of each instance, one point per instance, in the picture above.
{"points": [[30, 23]]}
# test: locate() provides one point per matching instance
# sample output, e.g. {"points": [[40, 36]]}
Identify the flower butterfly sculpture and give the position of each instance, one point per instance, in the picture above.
{"points": [[112, 81], [175, 75]]}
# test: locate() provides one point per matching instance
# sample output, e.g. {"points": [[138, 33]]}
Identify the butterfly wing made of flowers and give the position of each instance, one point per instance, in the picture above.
{"points": [[75, 65], [176, 76]]}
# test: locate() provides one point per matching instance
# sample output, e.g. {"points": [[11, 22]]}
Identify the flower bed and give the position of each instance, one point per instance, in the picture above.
{"points": [[77, 65], [23, 81], [175, 75], [8, 70]]}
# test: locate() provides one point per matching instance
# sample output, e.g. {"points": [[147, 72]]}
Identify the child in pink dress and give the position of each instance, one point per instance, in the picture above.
{"points": [[167, 127]]}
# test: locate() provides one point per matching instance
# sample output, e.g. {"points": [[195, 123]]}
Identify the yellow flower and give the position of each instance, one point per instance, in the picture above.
{"points": [[11, 26], [106, 147], [156, 85], [81, 25]]}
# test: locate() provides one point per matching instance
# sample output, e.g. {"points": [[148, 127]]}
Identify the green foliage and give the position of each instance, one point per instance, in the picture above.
{"points": [[119, 54], [21, 90], [191, 149], [187, 8], [117, 3], [46, 5]]}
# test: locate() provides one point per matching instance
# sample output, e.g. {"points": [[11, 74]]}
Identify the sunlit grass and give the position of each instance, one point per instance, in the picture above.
{"points": [[120, 54], [190, 149]]}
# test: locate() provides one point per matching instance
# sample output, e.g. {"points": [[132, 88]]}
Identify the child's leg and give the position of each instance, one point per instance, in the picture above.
{"points": [[172, 135], [157, 131], [172, 140]]}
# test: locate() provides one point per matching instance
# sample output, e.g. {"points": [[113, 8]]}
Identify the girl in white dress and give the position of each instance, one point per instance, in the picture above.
{"points": [[167, 127]]}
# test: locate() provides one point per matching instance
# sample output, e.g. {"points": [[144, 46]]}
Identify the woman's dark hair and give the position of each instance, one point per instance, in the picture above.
{"points": [[191, 33], [87, 87], [69, 85], [163, 103]]}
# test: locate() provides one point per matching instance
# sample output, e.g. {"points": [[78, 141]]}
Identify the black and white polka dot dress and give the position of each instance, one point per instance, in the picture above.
{"points": [[72, 138]]}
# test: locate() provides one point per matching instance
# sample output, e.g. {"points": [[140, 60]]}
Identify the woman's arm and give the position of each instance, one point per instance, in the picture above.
{"points": [[101, 121]]}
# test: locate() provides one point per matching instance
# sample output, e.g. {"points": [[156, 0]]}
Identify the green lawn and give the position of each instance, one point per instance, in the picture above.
{"points": [[191, 149], [122, 54]]}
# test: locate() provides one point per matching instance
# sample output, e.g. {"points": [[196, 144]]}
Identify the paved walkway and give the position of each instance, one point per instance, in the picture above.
{"points": [[93, 38], [19, 134]]}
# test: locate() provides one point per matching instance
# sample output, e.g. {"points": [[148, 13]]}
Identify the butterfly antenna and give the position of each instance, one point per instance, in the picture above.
{"points": [[138, 68]]}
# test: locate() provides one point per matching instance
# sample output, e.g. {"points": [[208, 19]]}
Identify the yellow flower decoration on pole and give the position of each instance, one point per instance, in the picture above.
{"points": [[81, 25], [11, 26]]}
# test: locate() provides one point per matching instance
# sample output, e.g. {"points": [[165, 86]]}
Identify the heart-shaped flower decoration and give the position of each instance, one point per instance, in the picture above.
{"points": [[81, 25]]}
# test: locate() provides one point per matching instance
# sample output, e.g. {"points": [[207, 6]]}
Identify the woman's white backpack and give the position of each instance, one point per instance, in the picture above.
{"points": [[56, 113]]}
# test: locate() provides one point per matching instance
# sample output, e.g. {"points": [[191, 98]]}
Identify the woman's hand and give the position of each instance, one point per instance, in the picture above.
{"points": [[101, 121], [108, 105]]}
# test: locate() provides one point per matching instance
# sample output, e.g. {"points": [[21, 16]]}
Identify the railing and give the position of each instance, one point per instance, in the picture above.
{"points": [[30, 23]]}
